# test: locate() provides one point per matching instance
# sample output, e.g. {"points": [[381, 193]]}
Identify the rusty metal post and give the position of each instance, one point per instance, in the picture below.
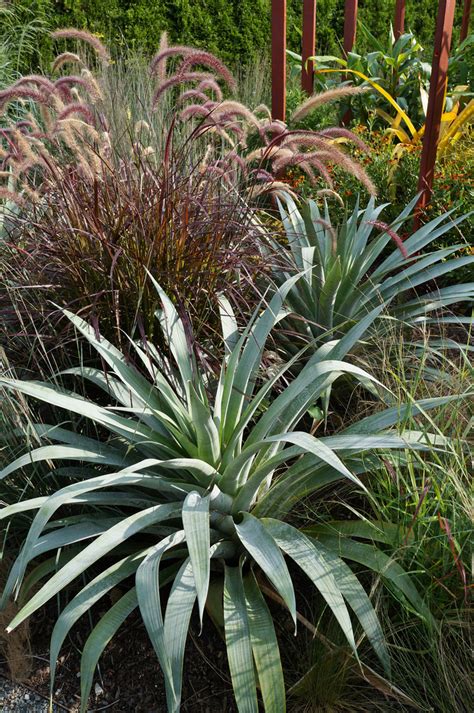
{"points": [[350, 30], [399, 24], [278, 59], [350, 25], [308, 45], [439, 74], [466, 16]]}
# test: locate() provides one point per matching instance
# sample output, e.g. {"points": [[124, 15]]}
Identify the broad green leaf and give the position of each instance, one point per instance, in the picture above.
{"points": [[245, 371], [175, 333], [128, 428], [374, 530], [397, 414], [304, 442], [130, 377], [196, 527], [379, 562], [293, 402], [207, 435], [70, 492], [82, 602], [352, 591], [264, 550], [148, 593], [46, 453], [307, 556], [101, 635], [237, 638], [265, 648], [176, 624], [230, 330], [52, 541], [103, 545]]}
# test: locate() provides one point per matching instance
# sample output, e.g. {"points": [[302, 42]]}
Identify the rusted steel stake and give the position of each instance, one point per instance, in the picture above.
{"points": [[308, 45], [350, 29], [439, 75], [350, 25], [399, 24], [466, 16], [278, 59]]}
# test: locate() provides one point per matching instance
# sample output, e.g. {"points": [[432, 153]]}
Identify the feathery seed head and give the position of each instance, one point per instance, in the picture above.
{"points": [[384, 228], [71, 33], [323, 98], [66, 58], [209, 60]]}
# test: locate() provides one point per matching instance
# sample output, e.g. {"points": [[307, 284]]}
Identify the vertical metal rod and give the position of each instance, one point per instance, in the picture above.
{"points": [[399, 24], [278, 59], [439, 74], [466, 16], [308, 45], [350, 30]]}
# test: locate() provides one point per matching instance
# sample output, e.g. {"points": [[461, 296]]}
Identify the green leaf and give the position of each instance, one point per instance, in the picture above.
{"points": [[305, 443], [293, 402], [45, 453], [312, 561], [175, 334], [196, 527], [102, 633], [177, 617], [264, 550], [82, 602], [53, 541], [208, 444], [385, 566], [265, 648], [131, 378], [148, 593], [230, 330], [237, 637], [70, 492], [245, 371], [114, 536], [130, 429]]}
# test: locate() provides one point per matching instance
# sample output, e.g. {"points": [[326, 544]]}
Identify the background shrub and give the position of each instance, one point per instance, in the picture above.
{"points": [[242, 29]]}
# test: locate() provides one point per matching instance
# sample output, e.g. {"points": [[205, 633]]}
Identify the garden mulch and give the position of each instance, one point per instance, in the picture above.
{"points": [[128, 680]]}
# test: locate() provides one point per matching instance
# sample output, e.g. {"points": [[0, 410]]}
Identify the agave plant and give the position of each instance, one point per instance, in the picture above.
{"points": [[347, 271], [185, 490]]}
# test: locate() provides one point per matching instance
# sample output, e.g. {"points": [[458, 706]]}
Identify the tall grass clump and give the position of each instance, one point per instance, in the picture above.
{"points": [[419, 513], [114, 171]]}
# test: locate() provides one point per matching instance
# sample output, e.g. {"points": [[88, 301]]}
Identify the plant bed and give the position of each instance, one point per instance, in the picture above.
{"points": [[129, 679]]}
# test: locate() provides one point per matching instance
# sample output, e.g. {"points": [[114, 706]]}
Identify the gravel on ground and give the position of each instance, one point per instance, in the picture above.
{"points": [[17, 698]]}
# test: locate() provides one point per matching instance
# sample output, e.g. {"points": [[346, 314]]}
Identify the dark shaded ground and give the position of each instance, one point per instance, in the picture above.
{"points": [[129, 679]]}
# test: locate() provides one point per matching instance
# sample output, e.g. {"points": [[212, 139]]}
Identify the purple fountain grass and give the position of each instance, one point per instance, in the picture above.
{"points": [[18, 93], [337, 132], [35, 79], [7, 195], [210, 85], [71, 33], [66, 58], [77, 108], [206, 59], [177, 80], [103, 199], [384, 228], [163, 54], [324, 98]]}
